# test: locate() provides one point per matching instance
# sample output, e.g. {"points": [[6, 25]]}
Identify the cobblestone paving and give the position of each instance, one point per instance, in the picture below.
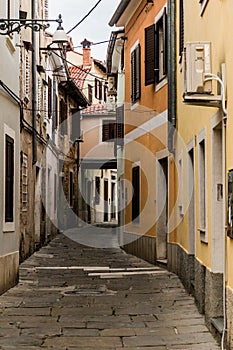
{"points": [[76, 297]]}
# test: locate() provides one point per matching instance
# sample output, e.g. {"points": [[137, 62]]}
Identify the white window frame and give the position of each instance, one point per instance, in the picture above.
{"points": [[163, 81], [8, 226], [203, 4], [181, 184], [202, 204]]}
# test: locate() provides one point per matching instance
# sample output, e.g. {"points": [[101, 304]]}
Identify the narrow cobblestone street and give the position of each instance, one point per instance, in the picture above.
{"points": [[76, 297]]}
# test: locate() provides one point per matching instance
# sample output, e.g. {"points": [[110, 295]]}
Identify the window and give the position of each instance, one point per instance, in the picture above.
{"points": [[9, 9], [181, 186], [71, 189], [27, 74], [90, 97], [55, 192], [39, 95], [161, 47], [156, 50], [136, 74], [97, 190], [203, 4], [202, 189], [181, 29], [75, 125], [98, 89], [63, 117], [150, 55], [49, 97], [9, 179], [108, 130], [120, 125], [136, 193], [24, 181]]}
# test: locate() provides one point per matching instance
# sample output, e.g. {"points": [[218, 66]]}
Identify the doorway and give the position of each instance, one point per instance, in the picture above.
{"points": [[105, 200], [161, 208]]}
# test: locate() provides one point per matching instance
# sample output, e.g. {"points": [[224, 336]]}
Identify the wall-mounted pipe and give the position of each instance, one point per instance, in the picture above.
{"points": [[171, 72], [34, 87]]}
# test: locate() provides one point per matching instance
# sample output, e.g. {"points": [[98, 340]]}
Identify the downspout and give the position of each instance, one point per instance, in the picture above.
{"points": [[34, 94], [171, 73]]}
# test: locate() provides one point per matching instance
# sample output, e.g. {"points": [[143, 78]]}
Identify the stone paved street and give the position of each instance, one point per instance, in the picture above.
{"points": [[76, 297]]}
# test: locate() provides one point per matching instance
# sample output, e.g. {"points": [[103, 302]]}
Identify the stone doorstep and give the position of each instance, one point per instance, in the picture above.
{"points": [[218, 324]]}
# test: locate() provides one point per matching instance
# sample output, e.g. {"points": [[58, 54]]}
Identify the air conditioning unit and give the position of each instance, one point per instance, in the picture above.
{"points": [[197, 62]]}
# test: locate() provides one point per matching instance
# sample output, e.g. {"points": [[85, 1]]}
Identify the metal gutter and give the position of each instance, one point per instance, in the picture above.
{"points": [[34, 87], [172, 83], [119, 11]]}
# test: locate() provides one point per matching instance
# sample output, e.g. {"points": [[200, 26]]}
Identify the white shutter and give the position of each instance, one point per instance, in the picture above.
{"points": [[27, 69]]}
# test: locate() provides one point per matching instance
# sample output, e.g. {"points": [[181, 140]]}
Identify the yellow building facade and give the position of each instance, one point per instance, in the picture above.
{"points": [[201, 252]]}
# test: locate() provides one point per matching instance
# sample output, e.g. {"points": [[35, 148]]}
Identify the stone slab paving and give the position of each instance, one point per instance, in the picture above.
{"points": [[59, 304]]}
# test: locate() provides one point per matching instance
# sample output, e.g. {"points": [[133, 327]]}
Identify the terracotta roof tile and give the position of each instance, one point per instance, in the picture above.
{"points": [[79, 74], [95, 109]]}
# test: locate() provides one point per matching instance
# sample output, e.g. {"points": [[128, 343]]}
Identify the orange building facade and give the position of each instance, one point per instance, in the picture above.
{"points": [[146, 158]]}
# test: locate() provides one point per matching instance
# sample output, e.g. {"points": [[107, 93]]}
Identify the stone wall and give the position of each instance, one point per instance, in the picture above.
{"points": [[142, 247], [9, 271]]}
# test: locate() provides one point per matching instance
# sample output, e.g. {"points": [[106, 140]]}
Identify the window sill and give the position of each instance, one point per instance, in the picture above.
{"points": [[134, 105], [8, 227], [10, 44], [161, 84], [203, 235]]}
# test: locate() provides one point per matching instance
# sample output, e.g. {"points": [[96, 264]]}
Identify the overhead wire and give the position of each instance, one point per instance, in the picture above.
{"points": [[91, 10]]}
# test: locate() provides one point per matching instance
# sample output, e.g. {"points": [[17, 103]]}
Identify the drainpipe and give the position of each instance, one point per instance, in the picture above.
{"points": [[34, 94], [171, 73]]}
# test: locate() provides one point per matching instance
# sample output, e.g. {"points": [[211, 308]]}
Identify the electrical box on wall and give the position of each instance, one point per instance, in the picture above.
{"points": [[197, 63]]}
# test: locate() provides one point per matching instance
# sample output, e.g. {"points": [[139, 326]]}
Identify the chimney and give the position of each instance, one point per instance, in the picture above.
{"points": [[86, 53]]}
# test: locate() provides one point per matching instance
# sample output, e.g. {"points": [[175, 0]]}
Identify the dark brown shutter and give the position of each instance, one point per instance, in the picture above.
{"points": [[133, 77], [181, 24], [136, 193], [105, 130], [138, 72], [97, 190], [100, 91], [156, 53], [120, 125], [90, 99], [164, 42], [49, 97], [9, 180], [96, 88], [150, 55]]}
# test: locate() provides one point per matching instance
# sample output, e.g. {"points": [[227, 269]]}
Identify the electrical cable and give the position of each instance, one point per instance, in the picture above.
{"points": [[91, 10], [74, 65]]}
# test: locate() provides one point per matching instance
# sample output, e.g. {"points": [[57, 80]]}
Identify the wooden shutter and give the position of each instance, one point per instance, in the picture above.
{"points": [[136, 74], [164, 42], [150, 55], [100, 90], [46, 9], [49, 97], [105, 131], [96, 88], [133, 78], [181, 24], [120, 125], [9, 180], [136, 193]]}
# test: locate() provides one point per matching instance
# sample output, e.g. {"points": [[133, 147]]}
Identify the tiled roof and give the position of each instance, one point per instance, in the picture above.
{"points": [[79, 74], [100, 108]]}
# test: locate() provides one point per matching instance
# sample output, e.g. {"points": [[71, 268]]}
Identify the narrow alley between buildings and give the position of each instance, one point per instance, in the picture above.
{"points": [[71, 296]]}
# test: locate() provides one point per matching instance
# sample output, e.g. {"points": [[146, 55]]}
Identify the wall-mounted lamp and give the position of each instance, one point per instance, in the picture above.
{"points": [[149, 4], [9, 26]]}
